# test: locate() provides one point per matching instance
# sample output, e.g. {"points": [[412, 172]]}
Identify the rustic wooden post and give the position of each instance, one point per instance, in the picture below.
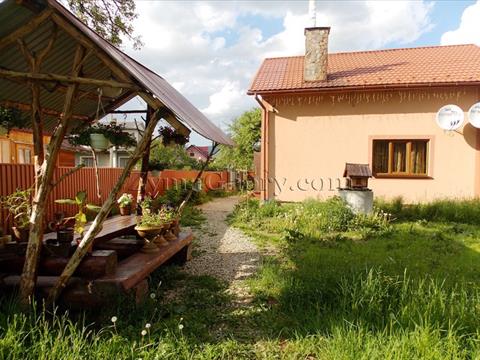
{"points": [[96, 226], [29, 274], [35, 62], [142, 181]]}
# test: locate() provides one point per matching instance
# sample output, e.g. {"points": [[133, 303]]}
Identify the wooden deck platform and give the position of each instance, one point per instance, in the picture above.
{"points": [[129, 276], [112, 227]]}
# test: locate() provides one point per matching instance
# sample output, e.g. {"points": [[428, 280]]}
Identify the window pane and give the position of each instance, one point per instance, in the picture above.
{"points": [[28, 156], [87, 161], [122, 162], [399, 157], [20, 156], [380, 157], [418, 157]]}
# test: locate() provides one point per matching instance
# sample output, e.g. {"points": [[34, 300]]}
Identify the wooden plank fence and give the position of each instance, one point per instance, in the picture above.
{"points": [[18, 176]]}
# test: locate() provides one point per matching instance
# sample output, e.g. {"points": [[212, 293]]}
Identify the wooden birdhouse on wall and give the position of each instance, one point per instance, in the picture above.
{"points": [[357, 175]]}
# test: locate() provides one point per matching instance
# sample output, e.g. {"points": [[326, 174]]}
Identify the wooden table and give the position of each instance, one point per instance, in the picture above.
{"points": [[112, 227]]}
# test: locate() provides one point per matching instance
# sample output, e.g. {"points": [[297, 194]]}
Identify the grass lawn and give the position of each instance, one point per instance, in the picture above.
{"points": [[331, 286]]}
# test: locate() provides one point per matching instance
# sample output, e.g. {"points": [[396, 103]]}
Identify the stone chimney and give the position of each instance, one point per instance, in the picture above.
{"points": [[316, 53]]}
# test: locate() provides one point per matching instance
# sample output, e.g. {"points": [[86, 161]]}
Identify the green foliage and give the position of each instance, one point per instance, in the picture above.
{"points": [[111, 19], [245, 132], [80, 201], [116, 134], [176, 194], [170, 136], [461, 211], [173, 157], [311, 219], [156, 218], [11, 118], [192, 216], [19, 205]]}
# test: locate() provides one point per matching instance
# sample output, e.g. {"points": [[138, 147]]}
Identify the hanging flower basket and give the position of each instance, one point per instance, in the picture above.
{"points": [[101, 136], [99, 142], [171, 137]]}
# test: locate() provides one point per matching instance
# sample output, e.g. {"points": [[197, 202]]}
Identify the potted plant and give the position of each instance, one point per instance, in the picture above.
{"points": [[101, 136], [118, 137], [125, 204], [171, 136], [80, 218], [155, 166], [62, 245], [11, 118], [152, 226], [19, 206]]}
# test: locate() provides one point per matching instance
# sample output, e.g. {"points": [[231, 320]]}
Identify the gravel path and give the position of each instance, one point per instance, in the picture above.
{"points": [[220, 250]]}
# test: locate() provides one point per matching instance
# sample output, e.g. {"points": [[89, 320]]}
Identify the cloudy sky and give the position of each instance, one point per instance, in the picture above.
{"points": [[210, 50]]}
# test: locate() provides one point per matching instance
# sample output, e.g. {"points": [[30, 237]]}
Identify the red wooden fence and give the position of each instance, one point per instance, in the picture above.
{"points": [[16, 176]]}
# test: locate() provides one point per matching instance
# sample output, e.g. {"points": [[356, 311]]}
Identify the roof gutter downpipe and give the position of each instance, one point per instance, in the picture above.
{"points": [[263, 150]]}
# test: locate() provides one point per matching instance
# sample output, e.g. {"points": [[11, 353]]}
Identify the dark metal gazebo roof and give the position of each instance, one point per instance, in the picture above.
{"points": [[106, 62]]}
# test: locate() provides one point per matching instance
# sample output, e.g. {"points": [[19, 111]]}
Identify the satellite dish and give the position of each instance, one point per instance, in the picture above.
{"points": [[450, 117], [474, 115]]}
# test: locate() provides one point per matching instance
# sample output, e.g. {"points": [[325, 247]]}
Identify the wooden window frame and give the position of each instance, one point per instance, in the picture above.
{"points": [[408, 141]]}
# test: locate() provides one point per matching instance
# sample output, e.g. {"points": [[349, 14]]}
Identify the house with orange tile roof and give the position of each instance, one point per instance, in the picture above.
{"points": [[321, 111]]}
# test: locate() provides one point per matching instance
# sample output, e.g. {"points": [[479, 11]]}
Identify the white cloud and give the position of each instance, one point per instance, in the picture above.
{"points": [[469, 30], [210, 52]]}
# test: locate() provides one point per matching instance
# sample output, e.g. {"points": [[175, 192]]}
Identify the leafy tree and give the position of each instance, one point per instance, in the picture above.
{"points": [[245, 131], [111, 19], [171, 157]]}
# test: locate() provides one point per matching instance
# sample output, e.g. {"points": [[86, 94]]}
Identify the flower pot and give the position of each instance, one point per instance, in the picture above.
{"points": [[65, 235], [57, 248], [99, 142], [176, 227], [148, 232], [126, 210], [21, 234], [169, 234]]}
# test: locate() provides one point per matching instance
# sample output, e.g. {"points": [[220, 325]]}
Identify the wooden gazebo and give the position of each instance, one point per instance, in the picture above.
{"points": [[57, 69]]}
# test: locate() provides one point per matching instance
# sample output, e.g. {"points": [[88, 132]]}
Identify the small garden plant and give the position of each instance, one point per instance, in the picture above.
{"points": [[80, 201], [19, 205], [125, 200]]}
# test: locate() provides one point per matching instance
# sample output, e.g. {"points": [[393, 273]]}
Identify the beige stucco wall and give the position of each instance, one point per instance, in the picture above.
{"points": [[311, 137]]}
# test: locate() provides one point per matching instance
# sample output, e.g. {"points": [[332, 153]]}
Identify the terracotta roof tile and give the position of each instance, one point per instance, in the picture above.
{"points": [[395, 67]]}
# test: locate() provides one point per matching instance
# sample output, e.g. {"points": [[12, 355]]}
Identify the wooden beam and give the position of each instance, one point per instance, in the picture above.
{"points": [[128, 111], [170, 118], [25, 29], [117, 70], [29, 274], [45, 111], [9, 74]]}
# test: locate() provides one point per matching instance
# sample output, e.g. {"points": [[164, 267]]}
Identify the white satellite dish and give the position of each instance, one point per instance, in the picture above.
{"points": [[474, 115], [450, 117]]}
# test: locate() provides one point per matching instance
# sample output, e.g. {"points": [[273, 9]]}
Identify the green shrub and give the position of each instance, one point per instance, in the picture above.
{"points": [[176, 194]]}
